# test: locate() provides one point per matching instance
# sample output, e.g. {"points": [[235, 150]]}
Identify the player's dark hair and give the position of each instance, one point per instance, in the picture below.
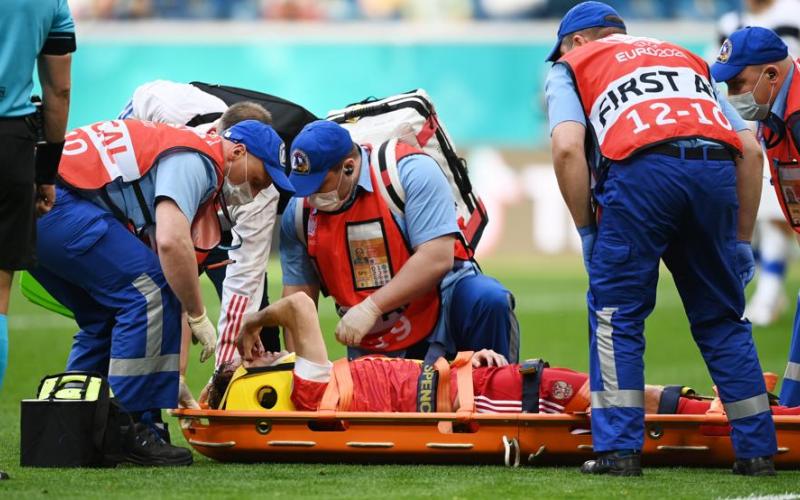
{"points": [[219, 384]]}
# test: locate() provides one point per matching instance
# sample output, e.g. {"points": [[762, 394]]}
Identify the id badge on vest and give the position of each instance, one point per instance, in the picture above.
{"points": [[369, 254], [788, 189]]}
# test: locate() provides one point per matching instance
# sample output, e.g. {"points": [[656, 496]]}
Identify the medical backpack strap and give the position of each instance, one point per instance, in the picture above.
{"points": [[466, 396], [339, 393], [383, 160], [670, 397], [301, 214], [148, 218], [531, 370], [203, 119]]}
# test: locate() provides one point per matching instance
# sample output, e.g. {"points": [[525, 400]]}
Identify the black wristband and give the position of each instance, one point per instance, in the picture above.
{"points": [[48, 156]]}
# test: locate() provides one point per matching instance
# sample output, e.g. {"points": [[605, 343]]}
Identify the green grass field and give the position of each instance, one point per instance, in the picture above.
{"points": [[550, 306]]}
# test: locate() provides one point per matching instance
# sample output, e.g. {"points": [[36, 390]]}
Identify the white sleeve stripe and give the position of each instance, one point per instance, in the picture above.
{"points": [[233, 326], [224, 337], [238, 322], [228, 339]]}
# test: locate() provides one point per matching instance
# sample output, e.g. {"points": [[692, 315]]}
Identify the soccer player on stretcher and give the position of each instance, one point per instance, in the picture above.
{"points": [[382, 384]]}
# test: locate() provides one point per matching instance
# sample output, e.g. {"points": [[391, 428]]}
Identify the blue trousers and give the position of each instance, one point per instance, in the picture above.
{"points": [[477, 313], [128, 316], [790, 388], [685, 212]]}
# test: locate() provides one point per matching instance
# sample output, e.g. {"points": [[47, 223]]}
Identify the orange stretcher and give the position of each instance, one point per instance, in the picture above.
{"points": [[429, 438]]}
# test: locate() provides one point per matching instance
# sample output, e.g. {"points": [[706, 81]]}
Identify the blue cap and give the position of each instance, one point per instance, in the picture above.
{"points": [[583, 16], [320, 146], [748, 46], [265, 144]]}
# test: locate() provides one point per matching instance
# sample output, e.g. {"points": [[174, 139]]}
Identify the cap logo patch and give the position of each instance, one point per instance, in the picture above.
{"points": [[300, 163], [282, 154], [725, 52]]}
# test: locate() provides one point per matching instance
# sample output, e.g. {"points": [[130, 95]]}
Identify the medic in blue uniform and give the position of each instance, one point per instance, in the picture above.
{"points": [[123, 179], [670, 183], [763, 84]]}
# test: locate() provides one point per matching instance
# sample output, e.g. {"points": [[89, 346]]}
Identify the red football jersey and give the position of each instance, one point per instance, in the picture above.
{"points": [[390, 385]]}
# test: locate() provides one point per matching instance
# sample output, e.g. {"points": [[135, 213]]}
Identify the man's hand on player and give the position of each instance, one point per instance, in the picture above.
{"points": [[357, 322], [487, 357]]}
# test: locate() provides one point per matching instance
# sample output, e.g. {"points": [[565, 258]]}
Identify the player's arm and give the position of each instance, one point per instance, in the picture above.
{"points": [[297, 313], [298, 271], [244, 277]]}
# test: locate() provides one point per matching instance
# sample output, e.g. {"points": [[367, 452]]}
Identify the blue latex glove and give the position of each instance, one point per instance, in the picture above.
{"points": [[745, 262], [588, 235]]}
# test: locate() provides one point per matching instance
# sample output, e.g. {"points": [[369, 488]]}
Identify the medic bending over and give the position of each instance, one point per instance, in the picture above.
{"points": [[677, 176], [127, 178], [381, 384], [404, 285], [764, 85]]}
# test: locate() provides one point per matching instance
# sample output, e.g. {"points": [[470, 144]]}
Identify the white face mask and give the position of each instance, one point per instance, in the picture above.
{"points": [[747, 106], [329, 201], [237, 194]]}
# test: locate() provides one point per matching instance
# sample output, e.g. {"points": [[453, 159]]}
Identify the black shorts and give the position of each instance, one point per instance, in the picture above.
{"points": [[17, 200]]}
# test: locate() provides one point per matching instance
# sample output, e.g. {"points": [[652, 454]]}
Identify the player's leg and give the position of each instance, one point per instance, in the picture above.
{"points": [[702, 261], [481, 316]]}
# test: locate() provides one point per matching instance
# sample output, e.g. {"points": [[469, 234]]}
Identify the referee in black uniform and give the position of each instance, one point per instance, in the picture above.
{"points": [[43, 32]]}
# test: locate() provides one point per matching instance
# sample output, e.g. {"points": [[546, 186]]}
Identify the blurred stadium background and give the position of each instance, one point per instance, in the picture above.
{"points": [[482, 62]]}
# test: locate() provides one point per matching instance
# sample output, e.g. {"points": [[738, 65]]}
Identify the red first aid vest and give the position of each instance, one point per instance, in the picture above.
{"points": [[638, 92], [97, 154], [783, 155], [361, 249]]}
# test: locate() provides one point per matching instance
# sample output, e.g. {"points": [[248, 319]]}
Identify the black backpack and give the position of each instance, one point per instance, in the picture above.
{"points": [[288, 118]]}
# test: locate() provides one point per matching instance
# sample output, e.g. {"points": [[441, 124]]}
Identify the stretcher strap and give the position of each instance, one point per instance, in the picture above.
{"points": [[443, 402], [339, 393], [466, 398]]}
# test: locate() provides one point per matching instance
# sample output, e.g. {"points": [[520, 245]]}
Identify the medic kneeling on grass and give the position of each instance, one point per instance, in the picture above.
{"points": [[377, 383]]}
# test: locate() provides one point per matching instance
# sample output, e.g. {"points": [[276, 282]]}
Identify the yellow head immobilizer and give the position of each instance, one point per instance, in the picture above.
{"points": [[262, 388]]}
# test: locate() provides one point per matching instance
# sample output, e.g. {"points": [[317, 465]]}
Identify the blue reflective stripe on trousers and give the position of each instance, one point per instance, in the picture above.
{"points": [[129, 318], [683, 211], [790, 388]]}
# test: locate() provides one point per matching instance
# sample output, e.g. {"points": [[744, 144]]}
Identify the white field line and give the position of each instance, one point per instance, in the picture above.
{"points": [[781, 496]]}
